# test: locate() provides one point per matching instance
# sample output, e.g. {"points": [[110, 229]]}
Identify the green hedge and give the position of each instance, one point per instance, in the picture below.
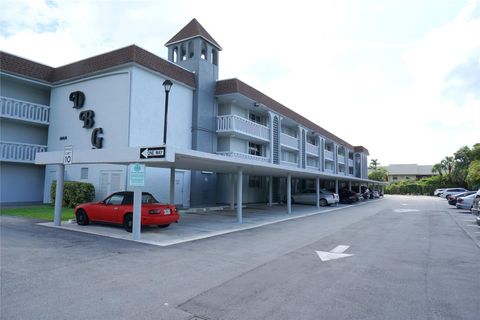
{"points": [[74, 193]]}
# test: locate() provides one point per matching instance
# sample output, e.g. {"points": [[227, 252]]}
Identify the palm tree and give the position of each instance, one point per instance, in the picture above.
{"points": [[438, 167], [374, 164], [448, 164]]}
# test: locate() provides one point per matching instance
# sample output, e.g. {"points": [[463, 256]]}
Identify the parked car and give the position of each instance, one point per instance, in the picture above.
{"points": [[347, 196], [452, 199], [450, 191], [309, 196], [476, 206], [118, 209], [465, 202], [438, 192]]}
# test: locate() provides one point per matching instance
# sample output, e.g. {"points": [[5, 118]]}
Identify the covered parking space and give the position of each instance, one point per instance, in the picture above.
{"points": [[175, 158]]}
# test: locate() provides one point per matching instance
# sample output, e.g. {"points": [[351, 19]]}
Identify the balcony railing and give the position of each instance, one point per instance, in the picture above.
{"points": [[341, 159], [289, 141], [25, 111], [242, 155], [234, 123], [288, 163], [19, 152], [312, 149], [328, 155]]}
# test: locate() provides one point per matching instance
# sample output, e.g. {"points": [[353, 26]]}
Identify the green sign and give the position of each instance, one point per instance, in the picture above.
{"points": [[136, 175]]}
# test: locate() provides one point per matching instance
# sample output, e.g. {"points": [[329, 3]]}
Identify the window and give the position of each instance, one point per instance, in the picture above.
{"points": [[311, 140], [115, 199], [395, 178], [84, 173], [255, 182], [254, 149], [256, 118]]}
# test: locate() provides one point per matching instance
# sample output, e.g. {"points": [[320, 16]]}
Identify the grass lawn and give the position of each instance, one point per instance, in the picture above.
{"points": [[44, 212]]}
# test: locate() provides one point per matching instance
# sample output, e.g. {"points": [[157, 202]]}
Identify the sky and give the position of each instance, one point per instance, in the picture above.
{"points": [[399, 77]]}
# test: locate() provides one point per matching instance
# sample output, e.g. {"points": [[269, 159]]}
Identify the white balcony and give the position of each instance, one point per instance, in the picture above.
{"points": [[328, 170], [328, 155], [288, 163], [242, 155], [24, 111], [288, 141], [350, 162], [341, 159], [19, 152], [312, 149], [233, 124]]}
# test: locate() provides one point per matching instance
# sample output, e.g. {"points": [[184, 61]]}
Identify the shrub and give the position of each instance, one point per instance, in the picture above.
{"points": [[74, 193]]}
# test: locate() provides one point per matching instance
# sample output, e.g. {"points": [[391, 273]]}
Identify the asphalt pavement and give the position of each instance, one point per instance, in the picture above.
{"points": [[395, 258]]}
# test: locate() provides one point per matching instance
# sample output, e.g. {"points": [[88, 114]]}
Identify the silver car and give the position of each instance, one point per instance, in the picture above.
{"points": [[309, 196], [465, 202]]}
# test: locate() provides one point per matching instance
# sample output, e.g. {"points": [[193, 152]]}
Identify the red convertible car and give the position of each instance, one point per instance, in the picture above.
{"points": [[118, 208]]}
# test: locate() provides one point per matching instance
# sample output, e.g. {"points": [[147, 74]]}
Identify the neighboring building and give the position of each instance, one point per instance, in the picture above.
{"points": [[397, 172], [106, 108]]}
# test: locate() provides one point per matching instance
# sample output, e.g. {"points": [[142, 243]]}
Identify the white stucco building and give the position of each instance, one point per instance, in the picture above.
{"points": [[226, 141]]}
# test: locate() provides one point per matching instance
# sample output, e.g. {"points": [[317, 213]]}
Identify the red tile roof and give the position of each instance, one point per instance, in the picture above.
{"points": [[191, 30], [130, 54], [237, 86]]}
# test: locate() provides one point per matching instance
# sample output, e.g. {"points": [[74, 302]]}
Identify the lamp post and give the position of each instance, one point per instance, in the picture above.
{"points": [[167, 84]]}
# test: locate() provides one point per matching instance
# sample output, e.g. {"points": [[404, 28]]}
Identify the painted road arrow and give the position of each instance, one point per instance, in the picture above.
{"points": [[336, 253]]}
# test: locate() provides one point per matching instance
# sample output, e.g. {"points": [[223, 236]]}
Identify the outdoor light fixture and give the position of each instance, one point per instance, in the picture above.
{"points": [[167, 84], [256, 104]]}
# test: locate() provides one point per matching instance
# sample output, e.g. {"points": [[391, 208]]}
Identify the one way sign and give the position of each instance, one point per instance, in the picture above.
{"points": [[152, 152]]}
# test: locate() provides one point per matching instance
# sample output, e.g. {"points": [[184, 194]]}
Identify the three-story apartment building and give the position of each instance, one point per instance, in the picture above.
{"points": [[221, 134]]}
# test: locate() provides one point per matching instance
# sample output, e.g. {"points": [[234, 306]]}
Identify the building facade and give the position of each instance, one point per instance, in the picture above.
{"points": [[397, 172], [104, 107]]}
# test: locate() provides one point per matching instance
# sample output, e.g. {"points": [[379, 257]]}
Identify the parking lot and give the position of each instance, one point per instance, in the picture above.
{"points": [[403, 257]]}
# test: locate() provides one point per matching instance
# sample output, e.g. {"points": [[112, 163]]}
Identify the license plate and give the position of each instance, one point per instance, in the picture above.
{"points": [[166, 211]]}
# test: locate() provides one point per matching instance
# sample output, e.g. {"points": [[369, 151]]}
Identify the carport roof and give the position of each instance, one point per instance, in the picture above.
{"points": [[190, 160]]}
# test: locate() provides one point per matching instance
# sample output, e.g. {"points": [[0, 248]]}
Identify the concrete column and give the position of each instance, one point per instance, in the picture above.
{"points": [[270, 191], [172, 186], [359, 188], [239, 195], [350, 185], [232, 191], [317, 187], [57, 218], [289, 193], [336, 186], [137, 213]]}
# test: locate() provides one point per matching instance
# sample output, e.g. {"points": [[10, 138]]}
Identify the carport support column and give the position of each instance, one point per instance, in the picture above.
{"points": [[239, 195], [317, 188], [336, 186], [270, 191], [172, 186], [137, 213], [349, 185], [57, 218], [232, 191], [289, 193]]}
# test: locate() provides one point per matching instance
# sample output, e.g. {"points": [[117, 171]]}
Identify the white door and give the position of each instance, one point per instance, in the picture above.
{"points": [[179, 176], [110, 182]]}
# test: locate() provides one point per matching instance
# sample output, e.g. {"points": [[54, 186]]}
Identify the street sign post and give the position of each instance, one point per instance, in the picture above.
{"points": [[67, 155]]}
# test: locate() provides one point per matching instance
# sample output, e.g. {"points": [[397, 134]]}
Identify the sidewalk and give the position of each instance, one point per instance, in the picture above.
{"points": [[201, 225]]}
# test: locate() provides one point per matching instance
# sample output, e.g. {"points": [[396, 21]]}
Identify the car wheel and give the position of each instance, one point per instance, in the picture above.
{"points": [[82, 217], [128, 222], [323, 202], [164, 225]]}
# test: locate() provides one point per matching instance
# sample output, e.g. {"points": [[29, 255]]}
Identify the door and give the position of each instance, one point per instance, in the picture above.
{"points": [[179, 179], [110, 182]]}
